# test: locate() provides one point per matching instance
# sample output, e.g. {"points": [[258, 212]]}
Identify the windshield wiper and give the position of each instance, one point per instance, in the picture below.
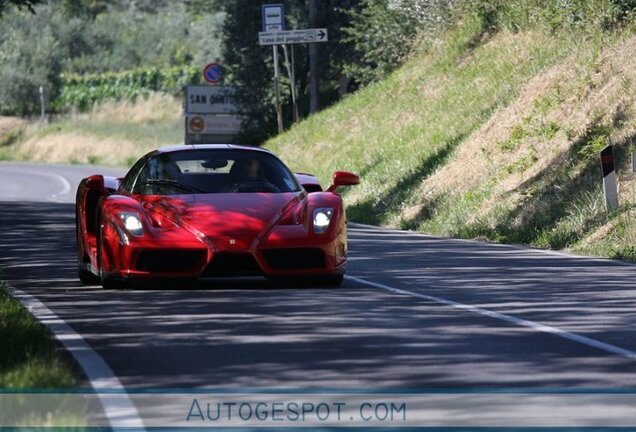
{"points": [[175, 183]]}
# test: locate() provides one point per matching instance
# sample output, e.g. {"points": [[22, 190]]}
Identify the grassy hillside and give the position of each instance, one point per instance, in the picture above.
{"points": [[489, 136]]}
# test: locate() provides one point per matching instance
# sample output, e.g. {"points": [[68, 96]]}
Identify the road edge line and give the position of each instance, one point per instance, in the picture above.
{"points": [[574, 337], [120, 411]]}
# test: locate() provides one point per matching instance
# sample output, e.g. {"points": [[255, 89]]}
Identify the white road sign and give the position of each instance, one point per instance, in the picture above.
{"points": [[213, 124], [201, 99], [273, 16], [293, 37]]}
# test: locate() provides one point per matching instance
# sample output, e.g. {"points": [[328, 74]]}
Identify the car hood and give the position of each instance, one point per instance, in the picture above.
{"points": [[236, 215]]}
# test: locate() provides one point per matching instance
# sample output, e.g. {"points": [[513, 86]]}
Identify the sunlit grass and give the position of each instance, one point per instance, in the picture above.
{"points": [[29, 357], [114, 133], [535, 181]]}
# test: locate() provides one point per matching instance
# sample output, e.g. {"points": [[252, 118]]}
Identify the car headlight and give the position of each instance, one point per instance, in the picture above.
{"points": [[132, 223], [322, 218]]}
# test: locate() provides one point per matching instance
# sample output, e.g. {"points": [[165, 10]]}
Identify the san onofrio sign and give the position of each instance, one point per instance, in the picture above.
{"points": [[211, 100]]}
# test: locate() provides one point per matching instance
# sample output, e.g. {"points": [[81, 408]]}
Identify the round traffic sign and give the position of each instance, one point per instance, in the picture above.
{"points": [[196, 124], [212, 73]]}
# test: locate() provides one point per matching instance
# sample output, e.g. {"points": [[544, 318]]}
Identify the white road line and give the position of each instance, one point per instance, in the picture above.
{"points": [[120, 410], [584, 340], [66, 187]]}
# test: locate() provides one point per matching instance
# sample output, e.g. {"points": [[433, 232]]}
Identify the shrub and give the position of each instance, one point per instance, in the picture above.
{"points": [[383, 34]]}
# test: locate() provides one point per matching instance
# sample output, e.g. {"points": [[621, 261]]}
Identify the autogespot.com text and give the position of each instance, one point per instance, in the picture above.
{"points": [[254, 408], [296, 411]]}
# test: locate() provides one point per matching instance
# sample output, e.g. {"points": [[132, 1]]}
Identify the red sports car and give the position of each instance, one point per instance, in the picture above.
{"points": [[206, 211]]}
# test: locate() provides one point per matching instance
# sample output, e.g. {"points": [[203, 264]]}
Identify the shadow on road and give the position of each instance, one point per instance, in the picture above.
{"points": [[255, 334]]}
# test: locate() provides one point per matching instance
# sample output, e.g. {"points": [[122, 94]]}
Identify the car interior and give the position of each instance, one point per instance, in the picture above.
{"points": [[173, 173]]}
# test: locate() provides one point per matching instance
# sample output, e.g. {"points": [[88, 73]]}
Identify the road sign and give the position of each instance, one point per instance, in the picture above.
{"points": [[213, 124], [273, 17], [212, 73], [293, 37], [196, 124], [202, 99]]}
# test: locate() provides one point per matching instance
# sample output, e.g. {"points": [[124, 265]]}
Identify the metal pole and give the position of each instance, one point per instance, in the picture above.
{"points": [[313, 61], [41, 104], [293, 74], [292, 84], [279, 107]]}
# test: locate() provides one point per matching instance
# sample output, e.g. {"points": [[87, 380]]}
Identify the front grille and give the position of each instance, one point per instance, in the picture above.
{"points": [[295, 259], [232, 264], [174, 260]]}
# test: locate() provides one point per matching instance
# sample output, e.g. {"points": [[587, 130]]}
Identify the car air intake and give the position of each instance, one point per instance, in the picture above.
{"points": [[170, 260], [295, 258], [232, 264]]}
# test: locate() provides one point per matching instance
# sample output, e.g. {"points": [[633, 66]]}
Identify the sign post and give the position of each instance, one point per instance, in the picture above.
{"points": [[212, 114], [610, 188], [292, 80], [273, 18], [274, 33], [279, 106], [41, 89]]}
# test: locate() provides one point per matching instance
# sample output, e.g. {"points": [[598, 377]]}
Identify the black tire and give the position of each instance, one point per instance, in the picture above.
{"points": [[85, 276], [332, 281], [111, 283], [300, 281], [187, 283]]}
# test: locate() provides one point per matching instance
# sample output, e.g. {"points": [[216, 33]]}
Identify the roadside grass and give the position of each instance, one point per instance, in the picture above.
{"points": [[113, 133], [30, 358], [489, 136]]}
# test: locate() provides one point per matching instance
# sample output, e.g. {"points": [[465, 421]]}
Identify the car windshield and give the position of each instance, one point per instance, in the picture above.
{"points": [[214, 171]]}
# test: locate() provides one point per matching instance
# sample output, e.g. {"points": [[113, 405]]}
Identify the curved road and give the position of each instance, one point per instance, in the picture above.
{"points": [[415, 311]]}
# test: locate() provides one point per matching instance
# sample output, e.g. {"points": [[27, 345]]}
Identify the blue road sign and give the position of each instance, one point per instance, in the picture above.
{"points": [[213, 73]]}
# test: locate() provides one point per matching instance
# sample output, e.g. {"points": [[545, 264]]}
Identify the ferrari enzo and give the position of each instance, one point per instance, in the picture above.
{"points": [[205, 211]]}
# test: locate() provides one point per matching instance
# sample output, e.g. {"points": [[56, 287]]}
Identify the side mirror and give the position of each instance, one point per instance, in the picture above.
{"points": [[343, 178]]}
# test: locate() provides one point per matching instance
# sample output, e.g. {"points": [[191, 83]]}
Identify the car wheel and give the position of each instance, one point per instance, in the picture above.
{"points": [[111, 283], [332, 281], [85, 276], [325, 281]]}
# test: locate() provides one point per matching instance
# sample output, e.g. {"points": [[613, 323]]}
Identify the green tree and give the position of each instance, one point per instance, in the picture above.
{"points": [[251, 66], [383, 33], [20, 4], [32, 50], [86, 8]]}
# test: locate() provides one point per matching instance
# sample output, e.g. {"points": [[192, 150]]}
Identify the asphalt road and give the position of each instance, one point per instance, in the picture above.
{"points": [[438, 312]]}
